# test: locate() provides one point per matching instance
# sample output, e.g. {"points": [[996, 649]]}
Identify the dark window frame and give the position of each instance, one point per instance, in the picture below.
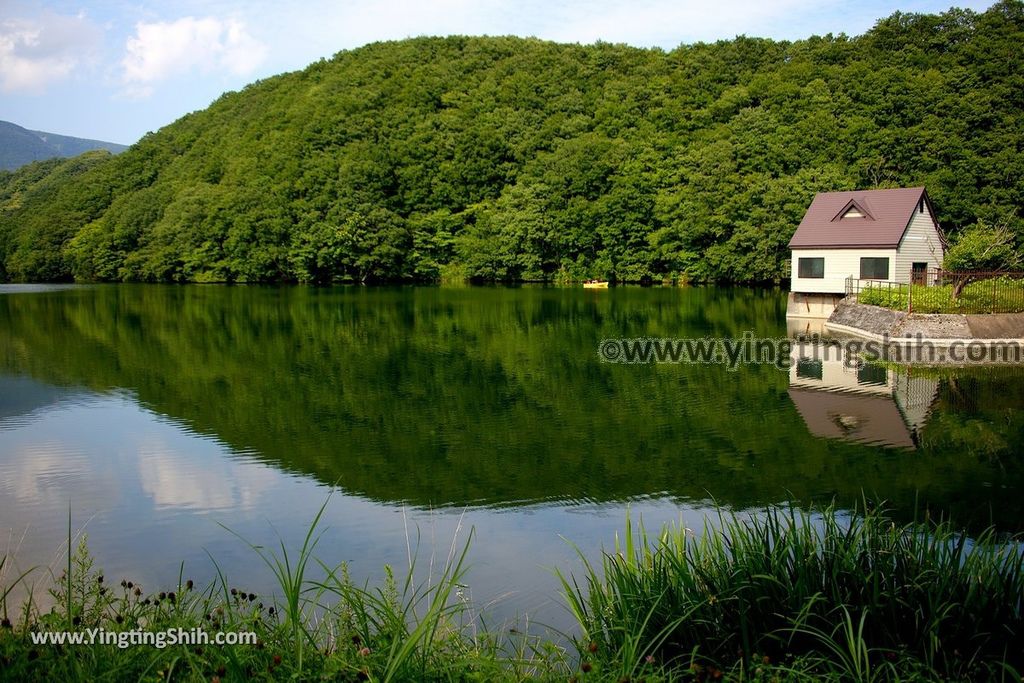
{"points": [[810, 368], [869, 267], [810, 271], [872, 375]]}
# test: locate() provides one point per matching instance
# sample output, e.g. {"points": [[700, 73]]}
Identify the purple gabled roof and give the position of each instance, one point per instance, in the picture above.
{"points": [[887, 213]]}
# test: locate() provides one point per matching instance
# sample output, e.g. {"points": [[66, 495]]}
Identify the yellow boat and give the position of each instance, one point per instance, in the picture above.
{"points": [[595, 284]]}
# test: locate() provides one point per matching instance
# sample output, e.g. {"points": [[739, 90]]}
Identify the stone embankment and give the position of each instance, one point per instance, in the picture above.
{"points": [[876, 322]]}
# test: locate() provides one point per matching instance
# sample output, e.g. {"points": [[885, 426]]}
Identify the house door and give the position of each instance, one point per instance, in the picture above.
{"points": [[919, 273]]}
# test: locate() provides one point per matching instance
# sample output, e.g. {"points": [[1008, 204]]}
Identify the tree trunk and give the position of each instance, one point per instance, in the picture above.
{"points": [[959, 283]]}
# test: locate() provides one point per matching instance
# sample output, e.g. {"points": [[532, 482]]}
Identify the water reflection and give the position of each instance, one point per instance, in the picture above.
{"points": [[159, 413], [22, 399], [805, 328], [153, 497], [839, 396]]}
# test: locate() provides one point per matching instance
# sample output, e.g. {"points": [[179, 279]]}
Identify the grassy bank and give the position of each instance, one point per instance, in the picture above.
{"points": [[783, 595]]}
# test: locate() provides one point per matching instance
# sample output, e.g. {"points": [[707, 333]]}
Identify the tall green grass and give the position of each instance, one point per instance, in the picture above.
{"points": [[852, 593], [778, 595], [318, 625]]}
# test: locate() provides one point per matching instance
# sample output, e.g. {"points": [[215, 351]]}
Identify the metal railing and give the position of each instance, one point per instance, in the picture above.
{"points": [[886, 293], [943, 291]]}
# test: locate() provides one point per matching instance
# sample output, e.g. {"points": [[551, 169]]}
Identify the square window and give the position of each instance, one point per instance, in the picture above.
{"points": [[811, 267], [808, 368], [874, 375], [873, 268]]}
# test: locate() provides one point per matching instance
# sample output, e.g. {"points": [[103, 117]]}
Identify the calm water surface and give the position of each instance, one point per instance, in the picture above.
{"points": [[160, 415]]}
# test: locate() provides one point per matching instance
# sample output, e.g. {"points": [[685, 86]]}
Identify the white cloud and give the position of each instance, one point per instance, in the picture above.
{"points": [[161, 50], [199, 478], [37, 52]]}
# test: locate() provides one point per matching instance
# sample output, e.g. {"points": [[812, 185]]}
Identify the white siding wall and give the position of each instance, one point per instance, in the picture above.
{"points": [[839, 264], [920, 243]]}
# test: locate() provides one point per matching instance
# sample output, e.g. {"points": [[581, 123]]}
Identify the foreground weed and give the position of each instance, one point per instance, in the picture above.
{"points": [[779, 596], [291, 579], [839, 592]]}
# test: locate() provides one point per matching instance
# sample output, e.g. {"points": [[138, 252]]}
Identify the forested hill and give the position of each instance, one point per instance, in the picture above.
{"points": [[507, 158]]}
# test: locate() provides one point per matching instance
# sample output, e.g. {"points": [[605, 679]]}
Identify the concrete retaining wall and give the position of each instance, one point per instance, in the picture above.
{"points": [[800, 305], [875, 322]]}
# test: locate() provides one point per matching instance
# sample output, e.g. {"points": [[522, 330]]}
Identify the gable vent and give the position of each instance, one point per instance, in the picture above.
{"points": [[853, 209]]}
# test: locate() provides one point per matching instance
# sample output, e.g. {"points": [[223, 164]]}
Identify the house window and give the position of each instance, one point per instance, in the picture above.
{"points": [[808, 368], [872, 375], [874, 268], [853, 212], [811, 267]]}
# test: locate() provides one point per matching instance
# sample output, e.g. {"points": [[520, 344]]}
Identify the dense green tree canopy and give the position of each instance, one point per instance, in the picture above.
{"points": [[508, 158], [983, 247]]}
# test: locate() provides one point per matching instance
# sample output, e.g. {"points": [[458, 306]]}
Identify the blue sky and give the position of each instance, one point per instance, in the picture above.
{"points": [[114, 70]]}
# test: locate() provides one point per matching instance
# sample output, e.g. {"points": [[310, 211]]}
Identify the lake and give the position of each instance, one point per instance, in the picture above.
{"points": [[162, 416]]}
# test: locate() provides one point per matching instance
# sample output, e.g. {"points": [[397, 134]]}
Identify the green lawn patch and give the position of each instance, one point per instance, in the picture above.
{"points": [[997, 295]]}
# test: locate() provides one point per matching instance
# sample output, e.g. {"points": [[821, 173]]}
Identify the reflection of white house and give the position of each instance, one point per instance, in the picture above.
{"points": [[868, 234], [840, 397]]}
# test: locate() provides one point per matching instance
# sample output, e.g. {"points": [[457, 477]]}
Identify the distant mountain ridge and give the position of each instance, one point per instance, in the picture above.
{"points": [[20, 146]]}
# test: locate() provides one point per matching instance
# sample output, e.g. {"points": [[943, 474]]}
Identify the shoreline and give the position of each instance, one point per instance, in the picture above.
{"points": [[735, 604], [949, 338]]}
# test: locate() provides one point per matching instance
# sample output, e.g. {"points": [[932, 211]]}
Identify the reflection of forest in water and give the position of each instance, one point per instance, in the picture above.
{"points": [[490, 396]]}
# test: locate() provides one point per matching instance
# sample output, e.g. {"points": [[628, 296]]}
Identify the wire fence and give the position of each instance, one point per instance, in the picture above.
{"points": [[944, 291]]}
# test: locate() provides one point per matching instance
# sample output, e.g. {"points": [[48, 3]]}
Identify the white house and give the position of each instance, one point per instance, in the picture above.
{"points": [[868, 234]]}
